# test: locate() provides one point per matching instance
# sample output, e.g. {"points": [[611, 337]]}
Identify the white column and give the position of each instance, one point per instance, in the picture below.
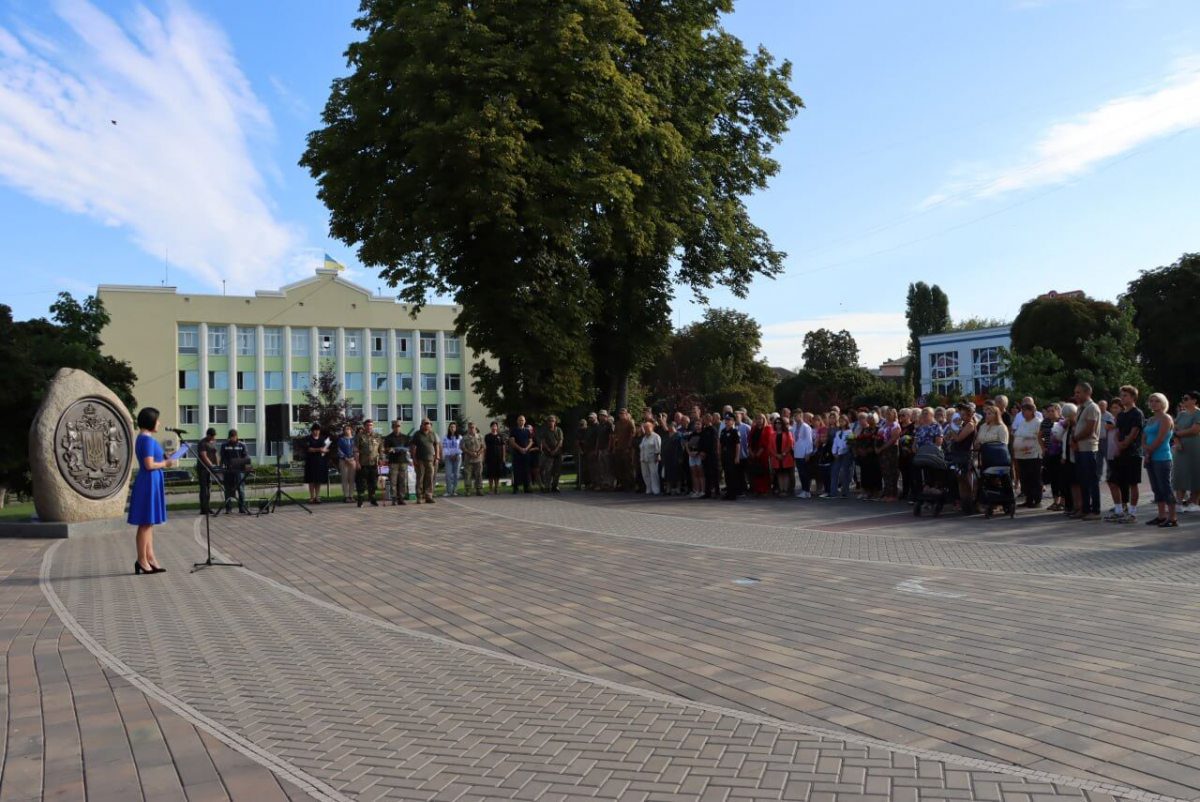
{"points": [[203, 377], [231, 403], [287, 370], [441, 377], [340, 349], [260, 402], [416, 374], [393, 389], [364, 349], [314, 353]]}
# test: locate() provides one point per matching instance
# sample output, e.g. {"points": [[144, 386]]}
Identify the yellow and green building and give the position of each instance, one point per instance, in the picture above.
{"points": [[217, 360]]}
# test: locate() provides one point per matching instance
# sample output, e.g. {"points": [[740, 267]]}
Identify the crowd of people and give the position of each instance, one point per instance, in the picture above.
{"points": [[1070, 447]]}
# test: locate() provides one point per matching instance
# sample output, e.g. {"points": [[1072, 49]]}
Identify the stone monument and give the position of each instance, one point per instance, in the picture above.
{"points": [[80, 451]]}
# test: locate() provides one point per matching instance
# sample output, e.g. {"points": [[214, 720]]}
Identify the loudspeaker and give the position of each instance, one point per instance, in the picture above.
{"points": [[277, 423]]}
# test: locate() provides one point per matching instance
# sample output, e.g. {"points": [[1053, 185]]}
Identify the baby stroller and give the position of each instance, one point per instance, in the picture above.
{"points": [[935, 479], [995, 480]]}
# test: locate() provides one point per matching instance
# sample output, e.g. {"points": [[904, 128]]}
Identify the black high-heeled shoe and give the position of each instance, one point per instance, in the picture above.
{"points": [[157, 569], [138, 569]]}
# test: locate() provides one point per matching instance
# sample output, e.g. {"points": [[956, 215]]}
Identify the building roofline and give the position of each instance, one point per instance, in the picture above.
{"points": [[282, 292], [963, 336]]}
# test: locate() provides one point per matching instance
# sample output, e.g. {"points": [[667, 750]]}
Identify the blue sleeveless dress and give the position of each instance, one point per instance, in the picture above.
{"points": [[148, 502]]}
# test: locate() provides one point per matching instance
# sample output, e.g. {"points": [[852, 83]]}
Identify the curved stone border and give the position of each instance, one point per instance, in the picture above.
{"points": [[278, 766]]}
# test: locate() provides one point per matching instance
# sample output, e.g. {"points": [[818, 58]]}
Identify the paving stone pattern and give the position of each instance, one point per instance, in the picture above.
{"points": [[378, 712], [75, 731], [1110, 563]]}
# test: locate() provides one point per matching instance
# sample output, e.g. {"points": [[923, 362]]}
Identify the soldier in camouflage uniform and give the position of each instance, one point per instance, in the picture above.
{"points": [[472, 449], [368, 449], [551, 442]]}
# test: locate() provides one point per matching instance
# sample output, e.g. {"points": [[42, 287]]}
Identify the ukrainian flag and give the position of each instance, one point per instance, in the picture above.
{"points": [[333, 264]]}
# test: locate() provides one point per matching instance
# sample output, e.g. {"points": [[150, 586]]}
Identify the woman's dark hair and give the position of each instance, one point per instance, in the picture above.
{"points": [[147, 418]]}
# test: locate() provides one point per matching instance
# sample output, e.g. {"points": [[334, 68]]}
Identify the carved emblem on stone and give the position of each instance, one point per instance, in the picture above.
{"points": [[92, 448]]}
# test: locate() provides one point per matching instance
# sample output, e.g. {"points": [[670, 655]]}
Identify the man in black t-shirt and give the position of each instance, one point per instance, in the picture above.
{"points": [[206, 452], [1128, 460], [235, 462]]}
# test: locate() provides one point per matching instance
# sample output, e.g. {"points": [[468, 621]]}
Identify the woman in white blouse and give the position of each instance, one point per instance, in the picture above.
{"points": [[452, 454], [1027, 450]]}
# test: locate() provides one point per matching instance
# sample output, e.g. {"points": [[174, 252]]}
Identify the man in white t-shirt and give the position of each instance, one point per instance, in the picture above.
{"points": [[802, 449]]}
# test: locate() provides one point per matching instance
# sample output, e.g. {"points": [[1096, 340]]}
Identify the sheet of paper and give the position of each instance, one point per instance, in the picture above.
{"points": [[327, 442], [181, 453]]}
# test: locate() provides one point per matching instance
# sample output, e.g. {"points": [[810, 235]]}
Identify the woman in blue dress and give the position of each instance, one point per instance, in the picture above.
{"points": [[148, 502]]}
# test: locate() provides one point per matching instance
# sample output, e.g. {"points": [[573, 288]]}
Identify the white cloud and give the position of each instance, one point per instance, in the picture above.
{"points": [[176, 170], [880, 336], [1070, 149]]}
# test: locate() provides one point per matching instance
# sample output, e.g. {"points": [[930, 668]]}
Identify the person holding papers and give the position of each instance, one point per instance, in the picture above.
{"points": [[315, 469], [148, 499]]}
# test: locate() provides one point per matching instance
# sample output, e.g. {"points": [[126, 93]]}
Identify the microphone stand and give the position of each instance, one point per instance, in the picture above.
{"points": [[212, 477]]}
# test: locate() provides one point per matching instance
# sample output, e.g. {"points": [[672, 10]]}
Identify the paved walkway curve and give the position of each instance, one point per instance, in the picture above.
{"points": [[1140, 565], [353, 706]]}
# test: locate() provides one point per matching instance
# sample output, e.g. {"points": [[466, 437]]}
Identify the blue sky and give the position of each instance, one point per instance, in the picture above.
{"points": [[1000, 149]]}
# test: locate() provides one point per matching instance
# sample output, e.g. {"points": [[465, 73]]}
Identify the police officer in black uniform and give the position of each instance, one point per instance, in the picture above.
{"points": [[234, 463], [206, 452], [731, 458]]}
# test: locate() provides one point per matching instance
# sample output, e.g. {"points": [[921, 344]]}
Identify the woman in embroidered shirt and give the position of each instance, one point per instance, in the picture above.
{"points": [[452, 456]]}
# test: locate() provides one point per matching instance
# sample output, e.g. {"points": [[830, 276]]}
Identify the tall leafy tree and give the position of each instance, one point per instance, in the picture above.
{"points": [[32, 351], [327, 404], [1164, 308], [713, 362], [547, 163], [1080, 339], [825, 349], [928, 312]]}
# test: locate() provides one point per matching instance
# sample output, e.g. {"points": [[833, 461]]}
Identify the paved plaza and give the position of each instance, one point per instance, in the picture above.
{"points": [[605, 646]]}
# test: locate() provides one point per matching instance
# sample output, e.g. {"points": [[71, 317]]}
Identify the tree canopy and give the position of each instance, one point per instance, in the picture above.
{"points": [[713, 362], [928, 312], [824, 349], [844, 386], [1164, 302], [32, 351], [1057, 342], [558, 167], [976, 323]]}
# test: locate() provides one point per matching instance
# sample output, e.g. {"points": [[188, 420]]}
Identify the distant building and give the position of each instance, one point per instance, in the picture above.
{"points": [[963, 362], [214, 360], [1067, 294], [891, 370], [782, 373]]}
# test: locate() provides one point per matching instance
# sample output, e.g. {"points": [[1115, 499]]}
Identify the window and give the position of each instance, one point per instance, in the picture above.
{"points": [[453, 412], [325, 342], [986, 362], [428, 345], [401, 345], [354, 410], [218, 380], [353, 343], [300, 342], [189, 380], [247, 380], [379, 381], [246, 342], [379, 343], [403, 381], [218, 341], [299, 413], [404, 412], [218, 413], [430, 411], [379, 412], [251, 446], [452, 346], [189, 339], [299, 380], [428, 381], [246, 413], [272, 341], [273, 380], [189, 415], [453, 381], [354, 381], [943, 372]]}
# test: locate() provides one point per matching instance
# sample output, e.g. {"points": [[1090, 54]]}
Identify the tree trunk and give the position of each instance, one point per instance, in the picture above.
{"points": [[622, 390], [3, 495]]}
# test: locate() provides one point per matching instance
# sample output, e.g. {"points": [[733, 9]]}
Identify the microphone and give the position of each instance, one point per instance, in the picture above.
{"points": [[179, 432]]}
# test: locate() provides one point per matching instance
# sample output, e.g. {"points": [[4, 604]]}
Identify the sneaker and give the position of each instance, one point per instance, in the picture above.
{"points": [[1112, 515], [1154, 521], [1127, 519], [1168, 524], [1188, 508]]}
